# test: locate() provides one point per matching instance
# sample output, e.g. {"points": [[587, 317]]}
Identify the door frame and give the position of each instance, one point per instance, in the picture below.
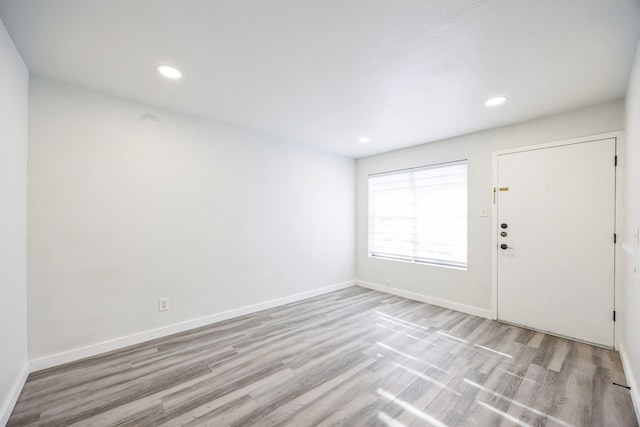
{"points": [[619, 139]]}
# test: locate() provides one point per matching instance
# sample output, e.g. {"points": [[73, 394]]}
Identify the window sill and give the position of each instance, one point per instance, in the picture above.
{"points": [[428, 264]]}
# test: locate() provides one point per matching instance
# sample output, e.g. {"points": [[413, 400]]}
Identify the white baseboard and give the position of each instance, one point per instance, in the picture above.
{"points": [[10, 400], [121, 342], [631, 380], [476, 311]]}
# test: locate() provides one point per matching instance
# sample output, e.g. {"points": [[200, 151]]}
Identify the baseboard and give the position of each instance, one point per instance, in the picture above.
{"points": [[631, 380], [10, 401], [121, 342], [476, 311]]}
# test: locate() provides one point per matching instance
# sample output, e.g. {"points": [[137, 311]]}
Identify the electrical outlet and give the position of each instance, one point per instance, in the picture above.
{"points": [[388, 283], [163, 304]]}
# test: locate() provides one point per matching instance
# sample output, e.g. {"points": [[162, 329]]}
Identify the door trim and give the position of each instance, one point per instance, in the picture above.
{"points": [[618, 136]]}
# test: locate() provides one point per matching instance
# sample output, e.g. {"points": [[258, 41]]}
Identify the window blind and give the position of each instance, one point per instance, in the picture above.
{"points": [[420, 214]]}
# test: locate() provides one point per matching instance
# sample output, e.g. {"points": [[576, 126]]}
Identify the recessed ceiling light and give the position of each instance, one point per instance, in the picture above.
{"points": [[169, 71], [496, 100], [364, 140]]}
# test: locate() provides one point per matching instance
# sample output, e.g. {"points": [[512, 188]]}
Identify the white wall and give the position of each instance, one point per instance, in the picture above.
{"points": [[129, 203], [468, 290], [14, 81], [630, 292]]}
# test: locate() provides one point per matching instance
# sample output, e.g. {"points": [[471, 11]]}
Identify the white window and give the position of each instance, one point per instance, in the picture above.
{"points": [[420, 215]]}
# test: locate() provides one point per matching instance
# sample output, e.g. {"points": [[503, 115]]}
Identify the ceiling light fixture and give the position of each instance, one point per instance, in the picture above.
{"points": [[169, 71], [364, 140], [496, 100]]}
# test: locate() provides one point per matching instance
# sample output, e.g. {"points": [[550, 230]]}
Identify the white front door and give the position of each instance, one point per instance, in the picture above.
{"points": [[556, 216]]}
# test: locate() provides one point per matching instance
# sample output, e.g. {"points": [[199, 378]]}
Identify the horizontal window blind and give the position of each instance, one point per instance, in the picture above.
{"points": [[420, 214]]}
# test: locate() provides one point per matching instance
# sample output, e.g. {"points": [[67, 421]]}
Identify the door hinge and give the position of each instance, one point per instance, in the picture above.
{"points": [[615, 160], [614, 315], [615, 238]]}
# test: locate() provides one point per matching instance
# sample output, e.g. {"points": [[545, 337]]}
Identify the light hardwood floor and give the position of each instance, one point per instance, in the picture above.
{"points": [[353, 358]]}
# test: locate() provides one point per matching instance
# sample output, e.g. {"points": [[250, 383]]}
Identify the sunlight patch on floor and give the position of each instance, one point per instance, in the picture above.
{"points": [[505, 415], [385, 418], [516, 403], [412, 409], [428, 378], [518, 376], [402, 324], [450, 336], [403, 321], [408, 356], [494, 351], [406, 335]]}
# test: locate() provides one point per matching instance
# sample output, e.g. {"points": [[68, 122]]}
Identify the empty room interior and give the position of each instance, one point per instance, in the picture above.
{"points": [[310, 213]]}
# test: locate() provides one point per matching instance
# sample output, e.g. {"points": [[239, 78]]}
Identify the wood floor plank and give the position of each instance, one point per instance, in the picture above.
{"points": [[355, 357]]}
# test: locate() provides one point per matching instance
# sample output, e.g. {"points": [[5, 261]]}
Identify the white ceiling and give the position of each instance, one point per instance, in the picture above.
{"points": [[325, 72]]}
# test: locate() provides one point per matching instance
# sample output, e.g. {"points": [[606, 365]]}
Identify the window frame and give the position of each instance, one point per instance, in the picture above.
{"points": [[439, 262]]}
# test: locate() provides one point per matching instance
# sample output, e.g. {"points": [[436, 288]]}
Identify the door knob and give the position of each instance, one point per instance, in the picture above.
{"points": [[503, 225]]}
